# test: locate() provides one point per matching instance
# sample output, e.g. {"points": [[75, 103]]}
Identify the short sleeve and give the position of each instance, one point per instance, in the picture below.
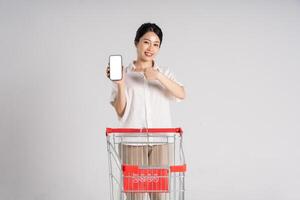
{"points": [[113, 98], [171, 76]]}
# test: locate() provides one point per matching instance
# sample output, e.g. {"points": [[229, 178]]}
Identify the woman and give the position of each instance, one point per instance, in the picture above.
{"points": [[141, 100]]}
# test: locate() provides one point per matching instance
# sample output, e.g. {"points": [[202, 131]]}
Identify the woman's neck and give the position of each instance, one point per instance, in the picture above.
{"points": [[142, 65]]}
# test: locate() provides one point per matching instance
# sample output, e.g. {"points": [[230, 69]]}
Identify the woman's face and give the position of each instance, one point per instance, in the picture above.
{"points": [[148, 46]]}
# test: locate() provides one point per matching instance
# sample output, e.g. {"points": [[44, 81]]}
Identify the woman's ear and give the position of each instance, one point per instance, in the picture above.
{"points": [[135, 43]]}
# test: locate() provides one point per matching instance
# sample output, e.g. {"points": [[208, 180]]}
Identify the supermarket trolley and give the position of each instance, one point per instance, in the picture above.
{"points": [[146, 164]]}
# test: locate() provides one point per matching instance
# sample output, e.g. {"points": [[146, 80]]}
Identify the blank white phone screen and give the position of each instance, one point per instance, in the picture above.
{"points": [[115, 64]]}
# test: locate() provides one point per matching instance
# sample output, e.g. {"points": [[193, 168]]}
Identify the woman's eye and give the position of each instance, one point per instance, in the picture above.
{"points": [[156, 45]]}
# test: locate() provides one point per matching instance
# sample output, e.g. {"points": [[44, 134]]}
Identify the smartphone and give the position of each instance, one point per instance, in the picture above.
{"points": [[115, 67]]}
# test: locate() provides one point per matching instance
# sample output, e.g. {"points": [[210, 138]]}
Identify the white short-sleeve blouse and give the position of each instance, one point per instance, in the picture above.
{"points": [[147, 101]]}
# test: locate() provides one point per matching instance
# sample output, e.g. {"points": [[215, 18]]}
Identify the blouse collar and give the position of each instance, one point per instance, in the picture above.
{"points": [[133, 67]]}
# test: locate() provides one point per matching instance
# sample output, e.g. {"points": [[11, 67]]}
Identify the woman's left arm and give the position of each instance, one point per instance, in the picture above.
{"points": [[175, 89]]}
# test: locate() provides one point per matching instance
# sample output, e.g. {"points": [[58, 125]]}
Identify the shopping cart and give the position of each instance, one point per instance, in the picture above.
{"points": [[146, 163]]}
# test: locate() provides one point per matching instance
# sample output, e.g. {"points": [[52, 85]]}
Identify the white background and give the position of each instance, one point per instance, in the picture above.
{"points": [[239, 62]]}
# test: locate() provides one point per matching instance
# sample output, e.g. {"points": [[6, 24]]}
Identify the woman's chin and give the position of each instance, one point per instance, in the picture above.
{"points": [[147, 59]]}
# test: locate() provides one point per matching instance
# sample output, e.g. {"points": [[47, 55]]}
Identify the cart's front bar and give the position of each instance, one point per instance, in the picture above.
{"points": [[143, 130]]}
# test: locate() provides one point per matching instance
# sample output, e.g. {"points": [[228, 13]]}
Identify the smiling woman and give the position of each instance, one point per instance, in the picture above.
{"points": [[148, 46], [148, 41], [141, 100]]}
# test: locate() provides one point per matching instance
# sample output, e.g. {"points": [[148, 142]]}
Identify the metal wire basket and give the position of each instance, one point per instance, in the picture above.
{"points": [[146, 163]]}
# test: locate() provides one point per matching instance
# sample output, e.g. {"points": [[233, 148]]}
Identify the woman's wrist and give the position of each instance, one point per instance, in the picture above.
{"points": [[121, 85]]}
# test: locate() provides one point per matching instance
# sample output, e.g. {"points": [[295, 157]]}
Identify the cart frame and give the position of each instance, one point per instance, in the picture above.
{"points": [[142, 179]]}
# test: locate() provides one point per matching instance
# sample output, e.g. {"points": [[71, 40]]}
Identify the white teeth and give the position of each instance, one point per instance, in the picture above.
{"points": [[148, 54]]}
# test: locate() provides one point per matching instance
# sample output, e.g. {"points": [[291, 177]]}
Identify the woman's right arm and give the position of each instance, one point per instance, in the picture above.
{"points": [[120, 100]]}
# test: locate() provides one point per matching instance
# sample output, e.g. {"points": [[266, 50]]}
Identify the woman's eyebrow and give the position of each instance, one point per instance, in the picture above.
{"points": [[150, 40]]}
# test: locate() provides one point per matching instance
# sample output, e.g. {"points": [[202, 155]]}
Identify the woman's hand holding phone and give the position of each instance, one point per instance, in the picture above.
{"points": [[119, 82], [114, 70]]}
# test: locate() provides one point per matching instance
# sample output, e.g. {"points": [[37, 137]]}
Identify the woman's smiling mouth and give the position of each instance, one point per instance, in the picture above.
{"points": [[148, 54]]}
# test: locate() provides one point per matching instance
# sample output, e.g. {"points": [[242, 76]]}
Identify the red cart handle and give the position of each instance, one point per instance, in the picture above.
{"points": [[143, 130]]}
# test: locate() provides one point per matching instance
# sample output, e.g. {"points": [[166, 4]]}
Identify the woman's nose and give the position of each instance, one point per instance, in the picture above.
{"points": [[150, 47]]}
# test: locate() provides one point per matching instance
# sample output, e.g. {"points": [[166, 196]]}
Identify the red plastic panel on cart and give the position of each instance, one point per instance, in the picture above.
{"points": [[178, 168], [145, 180]]}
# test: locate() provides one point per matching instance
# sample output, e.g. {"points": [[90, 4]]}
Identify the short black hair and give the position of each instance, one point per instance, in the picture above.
{"points": [[148, 27]]}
